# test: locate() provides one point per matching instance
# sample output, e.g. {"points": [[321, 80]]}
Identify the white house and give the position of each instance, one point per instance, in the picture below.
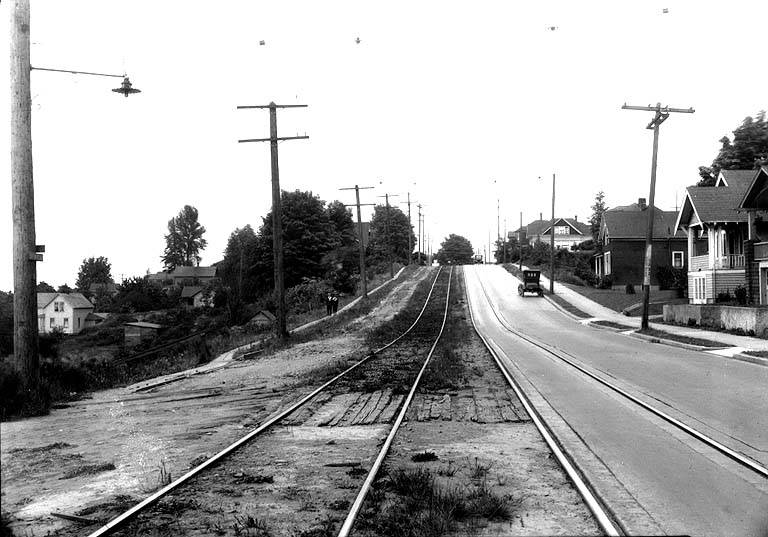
{"points": [[66, 312]]}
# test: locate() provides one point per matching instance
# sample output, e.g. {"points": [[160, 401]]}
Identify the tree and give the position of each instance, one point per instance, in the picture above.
{"points": [[43, 287], [748, 151], [342, 262], [380, 242], [184, 240], [307, 237], [598, 208], [238, 269], [139, 294], [93, 270], [455, 250], [64, 288]]}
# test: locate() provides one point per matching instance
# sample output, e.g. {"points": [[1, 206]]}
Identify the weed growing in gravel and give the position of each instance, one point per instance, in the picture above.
{"points": [[326, 528], [248, 526], [163, 475], [448, 471], [478, 470], [410, 503], [426, 456]]}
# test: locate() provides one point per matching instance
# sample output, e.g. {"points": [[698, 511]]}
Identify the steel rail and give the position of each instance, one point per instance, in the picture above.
{"points": [[117, 522], [708, 440], [357, 505], [593, 503]]}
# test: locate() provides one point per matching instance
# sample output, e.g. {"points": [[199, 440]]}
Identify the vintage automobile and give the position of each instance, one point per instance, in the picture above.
{"points": [[530, 283]]}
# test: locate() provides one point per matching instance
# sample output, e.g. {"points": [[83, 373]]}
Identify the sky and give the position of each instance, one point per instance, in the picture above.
{"points": [[459, 104]]}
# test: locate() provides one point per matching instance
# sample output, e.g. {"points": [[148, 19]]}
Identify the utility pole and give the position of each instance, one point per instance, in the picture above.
{"points": [[419, 246], [661, 115], [389, 237], [363, 277], [505, 240], [520, 241], [410, 228], [498, 230], [277, 213], [552, 243], [25, 327]]}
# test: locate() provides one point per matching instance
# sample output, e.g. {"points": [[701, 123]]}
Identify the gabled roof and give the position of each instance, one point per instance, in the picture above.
{"points": [[631, 222], [756, 195], [193, 272], [191, 290], [577, 228], [716, 203], [539, 227], [735, 178], [43, 299], [75, 300], [263, 314]]}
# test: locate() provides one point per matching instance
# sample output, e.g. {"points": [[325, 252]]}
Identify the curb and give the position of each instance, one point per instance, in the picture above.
{"points": [[673, 343], [750, 359], [225, 362]]}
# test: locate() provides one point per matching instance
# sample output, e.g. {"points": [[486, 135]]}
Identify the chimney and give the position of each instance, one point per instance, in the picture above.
{"points": [[541, 216], [576, 218], [641, 203]]}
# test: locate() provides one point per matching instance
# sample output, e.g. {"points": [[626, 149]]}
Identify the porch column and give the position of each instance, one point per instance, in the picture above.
{"points": [[750, 272], [690, 246], [751, 225], [712, 243]]}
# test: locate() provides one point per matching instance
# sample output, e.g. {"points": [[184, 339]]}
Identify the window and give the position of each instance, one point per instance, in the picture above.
{"points": [[607, 263], [78, 323], [678, 261], [52, 322], [561, 230], [55, 306], [66, 322]]}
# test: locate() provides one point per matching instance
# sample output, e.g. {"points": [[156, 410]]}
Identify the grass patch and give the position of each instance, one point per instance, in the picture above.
{"points": [[682, 339], [758, 354], [426, 456], [411, 503], [88, 469], [567, 306], [611, 324]]}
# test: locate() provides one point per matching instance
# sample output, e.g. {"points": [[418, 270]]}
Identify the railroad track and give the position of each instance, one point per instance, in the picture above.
{"points": [[595, 504], [401, 357]]}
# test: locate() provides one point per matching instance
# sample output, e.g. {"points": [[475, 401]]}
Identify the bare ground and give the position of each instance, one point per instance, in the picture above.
{"points": [[151, 436]]}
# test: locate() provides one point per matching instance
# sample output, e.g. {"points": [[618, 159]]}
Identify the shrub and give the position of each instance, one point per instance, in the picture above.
{"points": [[605, 282], [724, 296], [586, 274], [629, 289], [741, 294]]}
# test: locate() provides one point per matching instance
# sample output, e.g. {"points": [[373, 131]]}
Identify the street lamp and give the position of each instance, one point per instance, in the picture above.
{"points": [[25, 252], [126, 88]]}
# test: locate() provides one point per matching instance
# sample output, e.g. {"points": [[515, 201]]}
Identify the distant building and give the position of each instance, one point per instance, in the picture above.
{"points": [[135, 333], [568, 232], [193, 296], [263, 318], [64, 312], [183, 276]]}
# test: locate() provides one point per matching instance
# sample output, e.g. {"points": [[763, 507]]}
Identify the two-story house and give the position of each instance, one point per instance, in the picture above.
{"points": [[568, 232], [65, 312], [623, 232], [716, 231]]}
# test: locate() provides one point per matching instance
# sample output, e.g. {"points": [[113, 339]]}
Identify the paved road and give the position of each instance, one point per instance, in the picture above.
{"points": [[683, 486]]}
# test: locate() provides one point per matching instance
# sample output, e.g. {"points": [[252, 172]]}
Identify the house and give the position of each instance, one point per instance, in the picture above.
{"points": [[717, 227], [755, 204], [95, 318], [64, 312], [568, 232], [135, 333], [194, 296], [182, 276], [263, 318], [623, 232]]}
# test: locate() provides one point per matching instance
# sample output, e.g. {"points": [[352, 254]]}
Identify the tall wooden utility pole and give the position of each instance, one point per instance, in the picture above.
{"points": [[363, 277], [277, 213], [389, 237], [658, 119], [418, 239], [498, 228], [552, 243], [23, 203], [520, 241], [410, 230]]}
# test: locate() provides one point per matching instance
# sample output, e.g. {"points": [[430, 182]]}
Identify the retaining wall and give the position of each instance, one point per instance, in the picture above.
{"points": [[749, 319]]}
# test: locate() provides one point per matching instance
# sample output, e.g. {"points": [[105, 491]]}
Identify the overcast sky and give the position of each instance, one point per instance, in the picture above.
{"points": [[458, 103]]}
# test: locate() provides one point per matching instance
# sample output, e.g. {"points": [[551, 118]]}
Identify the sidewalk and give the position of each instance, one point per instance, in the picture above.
{"points": [[735, 344]]}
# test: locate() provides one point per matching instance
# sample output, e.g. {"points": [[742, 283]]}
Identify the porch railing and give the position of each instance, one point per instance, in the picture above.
{"points": [[731, 261]]}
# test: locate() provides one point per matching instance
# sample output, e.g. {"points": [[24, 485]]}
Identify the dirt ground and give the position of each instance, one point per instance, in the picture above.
{"points": [[105, 453], [102, 455]]}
